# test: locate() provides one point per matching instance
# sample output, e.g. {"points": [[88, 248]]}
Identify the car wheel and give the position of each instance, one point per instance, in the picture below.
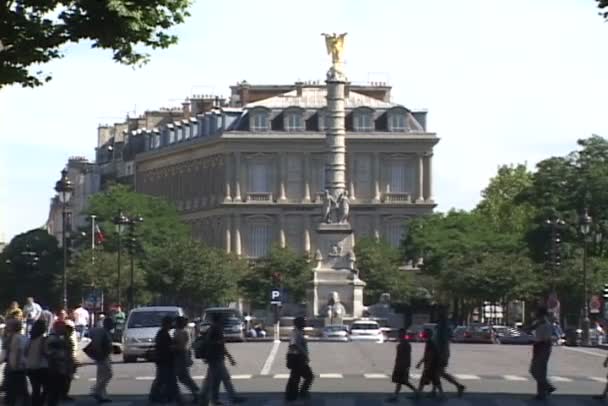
{"points": [[128, 359]]}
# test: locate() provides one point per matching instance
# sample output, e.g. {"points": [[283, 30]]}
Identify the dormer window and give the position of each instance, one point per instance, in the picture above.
{"points": [[259, 121], [363, 120], [294, 121], [397, 121]]}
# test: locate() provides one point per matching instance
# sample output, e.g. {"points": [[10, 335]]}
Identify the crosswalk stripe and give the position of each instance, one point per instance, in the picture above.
{"points": [[559, 379], [242, 376], [331, 376], [514, 378], [416, 376], [466, 377], [281, 376], [598, 379], [375, 376], [144, 378], [92, 379], [198, 377]]}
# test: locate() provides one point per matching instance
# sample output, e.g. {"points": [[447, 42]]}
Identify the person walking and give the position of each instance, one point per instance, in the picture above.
{"points": [[37, 363], [13, 312], [298, 363], [442, 341], [61, 363], [100, 351], [183, 356], [48, 317], [16, 376], [431, 370], [215, 353], [70, 333], [31, 312], [541, 351], [81, 320], [164, 387], [401, 370]]}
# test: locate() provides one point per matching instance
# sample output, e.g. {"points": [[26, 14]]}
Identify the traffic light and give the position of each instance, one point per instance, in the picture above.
{"points": [[605, 291]]}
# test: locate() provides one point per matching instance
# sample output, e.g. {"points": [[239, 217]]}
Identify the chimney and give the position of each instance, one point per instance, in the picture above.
{"points": [[186, 108], [299, 86], [244, 92]]}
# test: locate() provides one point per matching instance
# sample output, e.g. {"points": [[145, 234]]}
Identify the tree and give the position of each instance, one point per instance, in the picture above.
{"points": [[602, 4], [379, 265], [36, 30], [186, 272], [31, 265], [295, 275]]}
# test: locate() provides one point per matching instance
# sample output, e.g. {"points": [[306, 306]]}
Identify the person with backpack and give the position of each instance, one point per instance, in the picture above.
{"points": [[37, 363], [298, 363], [183, 356], [61, 363], [213, 351], [100, 351]]}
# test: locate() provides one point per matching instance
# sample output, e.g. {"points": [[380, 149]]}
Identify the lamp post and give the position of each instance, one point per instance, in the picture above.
{"points": [[119, 221], [585, 225], [64, 190], [132, 222]]}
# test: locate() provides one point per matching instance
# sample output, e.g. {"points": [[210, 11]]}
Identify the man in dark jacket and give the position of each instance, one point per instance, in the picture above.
{"points": [[100, 351], [164, 388]]}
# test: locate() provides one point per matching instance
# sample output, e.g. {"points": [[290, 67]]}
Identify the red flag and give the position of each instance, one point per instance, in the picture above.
{"points": [[99, 237]]}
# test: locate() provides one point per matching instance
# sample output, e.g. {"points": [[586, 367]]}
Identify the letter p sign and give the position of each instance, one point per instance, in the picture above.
{"points": [[275, 297]]}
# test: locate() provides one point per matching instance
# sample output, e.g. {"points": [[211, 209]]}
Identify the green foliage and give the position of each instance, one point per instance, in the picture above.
{"points": [[379, 265], [295, 271], [192, 275], [602, 4], [22, 276], [36, 31]]}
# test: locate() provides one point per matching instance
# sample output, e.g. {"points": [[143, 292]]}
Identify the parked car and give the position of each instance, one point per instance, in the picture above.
{"points": [[335, 332], [234, 325], [140, 330], [512, 335], [474, 333], [418, 332], [366, 330], [574, 337]]}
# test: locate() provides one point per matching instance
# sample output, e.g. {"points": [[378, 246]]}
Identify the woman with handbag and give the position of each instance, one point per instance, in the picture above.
{"points": [[298, 363]]}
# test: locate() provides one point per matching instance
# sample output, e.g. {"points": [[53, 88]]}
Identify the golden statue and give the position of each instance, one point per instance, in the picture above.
{"points": [[335, 46]]}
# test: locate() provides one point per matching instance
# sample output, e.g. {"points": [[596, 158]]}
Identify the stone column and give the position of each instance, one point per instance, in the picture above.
{"points": [[237, 234], [228, 233], [282, 174], [377, 177], [429, 177], [227, 179], [307, 234], [351, 175], [282, 238], [335, 165], [307, 177], [420, 197], [237, 177]]}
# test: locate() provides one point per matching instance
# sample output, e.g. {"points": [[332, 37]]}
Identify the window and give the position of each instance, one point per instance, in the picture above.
{"points": [[259, 177], [179, 133], [294, 121], [186, 131], [397, 177], [260, 239], [364, 121], [171, 136], [259, 121], [394, 231], [396, 122]]}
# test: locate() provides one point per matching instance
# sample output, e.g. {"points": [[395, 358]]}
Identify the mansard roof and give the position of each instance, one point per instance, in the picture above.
{"points": [[316, 98]]}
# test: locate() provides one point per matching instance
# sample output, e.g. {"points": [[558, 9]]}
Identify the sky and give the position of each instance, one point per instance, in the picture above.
{"points": [[504, 82]]}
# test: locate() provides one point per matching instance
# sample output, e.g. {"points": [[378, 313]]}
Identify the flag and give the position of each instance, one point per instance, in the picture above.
{"points": [[99, 237]]}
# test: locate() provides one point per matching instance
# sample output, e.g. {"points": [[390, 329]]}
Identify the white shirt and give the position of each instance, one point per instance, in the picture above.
{"points": [[32, 311], [81, 317]]}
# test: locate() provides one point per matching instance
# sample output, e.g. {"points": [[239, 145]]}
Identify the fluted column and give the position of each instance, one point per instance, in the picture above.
{"points": [[307, 177], [351, 175], [420, 198], [429, 177], [335, 140], [228, 234], [377, 177], [237, 234], [227, 178], [307, 233], [237, 177], [282, 174], [282, 238]]}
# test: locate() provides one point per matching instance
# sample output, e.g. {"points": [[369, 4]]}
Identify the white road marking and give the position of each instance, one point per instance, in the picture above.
{"points": [[559, 379], [331, 376], [198, 377], [598, 379], [242, 376], [588, 352], [466, 377], [375, 376], [514, 378], [144, 378], [281, 376], [271, 356], [456, 402], [92, 379], [416, 375]]}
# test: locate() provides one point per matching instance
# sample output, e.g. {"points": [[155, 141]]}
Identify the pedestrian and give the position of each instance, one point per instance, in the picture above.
{"points": [[541, 351], [119, 316], [70, 334], [81, 320], [48, 317], [100, 351], [442, 341], [6, 336], [14, 312], [401, 370], [164, 387], [31, 312], [183, 356], [298, 363], [37, 362], [61, 362], [214, 354], [16, 376], [431, 370]]}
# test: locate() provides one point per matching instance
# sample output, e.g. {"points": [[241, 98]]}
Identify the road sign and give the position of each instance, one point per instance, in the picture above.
{"points": [[275, 296], [605, 290], [595, 305]]}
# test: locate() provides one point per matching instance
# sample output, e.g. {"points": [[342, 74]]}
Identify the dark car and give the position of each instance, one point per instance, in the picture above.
{"points": [[234, 326], [512, 335], [474, 333]]}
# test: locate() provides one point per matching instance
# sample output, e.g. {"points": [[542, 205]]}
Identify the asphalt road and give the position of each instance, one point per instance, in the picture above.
{"points": [[359, 373]]}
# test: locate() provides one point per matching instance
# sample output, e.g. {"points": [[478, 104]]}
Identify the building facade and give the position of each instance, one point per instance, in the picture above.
{"points": [[249, 173]]}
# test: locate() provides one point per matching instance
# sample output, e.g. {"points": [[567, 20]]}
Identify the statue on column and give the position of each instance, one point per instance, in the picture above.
{"points": [[334, 310], [329, 205], [343, 208], [335, 47]]}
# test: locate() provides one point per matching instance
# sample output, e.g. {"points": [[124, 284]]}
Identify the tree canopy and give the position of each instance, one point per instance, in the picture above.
{"points": [[36, 31]]}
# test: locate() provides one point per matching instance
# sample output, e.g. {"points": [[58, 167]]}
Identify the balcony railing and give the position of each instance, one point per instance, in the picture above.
{"points": [[259, 197], [397, 197]]}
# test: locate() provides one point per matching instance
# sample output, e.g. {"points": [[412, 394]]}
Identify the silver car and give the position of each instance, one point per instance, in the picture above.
{"points": [[140, 330], [335, 332]]}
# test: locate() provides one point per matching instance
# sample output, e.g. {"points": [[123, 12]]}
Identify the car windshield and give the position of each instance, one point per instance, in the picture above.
{"points": [[149, 318], [365, 326]]}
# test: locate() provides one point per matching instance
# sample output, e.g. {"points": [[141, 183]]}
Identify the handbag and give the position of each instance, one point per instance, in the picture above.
{"points": [[294, 357]]}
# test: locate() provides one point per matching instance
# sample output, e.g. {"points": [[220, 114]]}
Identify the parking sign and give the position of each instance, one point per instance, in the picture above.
{"points": [[275, 296]]}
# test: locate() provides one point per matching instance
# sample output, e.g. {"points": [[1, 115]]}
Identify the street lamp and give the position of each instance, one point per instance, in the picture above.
{"points": [[585, 225], [119, 221], [132, 222], [64, 189]]}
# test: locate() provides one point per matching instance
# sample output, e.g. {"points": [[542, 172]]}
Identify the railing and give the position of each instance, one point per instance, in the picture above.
{"points": [[397, 197], [259, 197]]}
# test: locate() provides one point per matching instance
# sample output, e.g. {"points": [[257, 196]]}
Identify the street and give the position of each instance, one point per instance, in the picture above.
{"points": [[359, 374]]}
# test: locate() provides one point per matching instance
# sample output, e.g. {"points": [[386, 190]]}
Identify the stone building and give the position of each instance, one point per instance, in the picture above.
{"points": [[249, 173]]}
